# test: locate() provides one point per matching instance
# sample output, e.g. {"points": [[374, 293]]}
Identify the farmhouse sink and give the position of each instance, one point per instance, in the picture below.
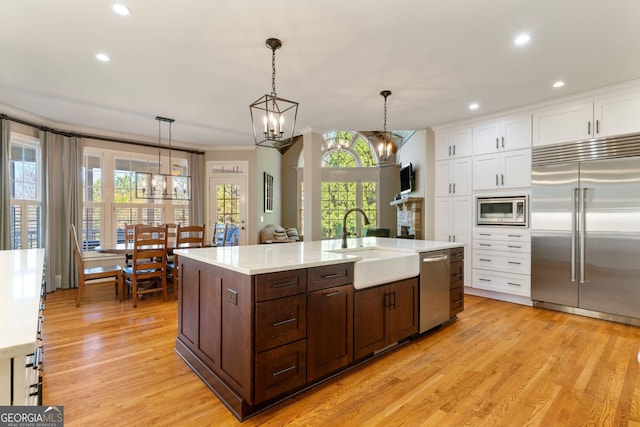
{"points": [[378, 265]]}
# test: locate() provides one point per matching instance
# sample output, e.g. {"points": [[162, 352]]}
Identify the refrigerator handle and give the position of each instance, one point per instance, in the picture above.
{"points": [[583, 231], [574, 227]]}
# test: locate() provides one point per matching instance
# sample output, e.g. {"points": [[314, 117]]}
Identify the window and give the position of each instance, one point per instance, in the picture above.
{"points": [[109, 200], [25, 178], [349, 179]]}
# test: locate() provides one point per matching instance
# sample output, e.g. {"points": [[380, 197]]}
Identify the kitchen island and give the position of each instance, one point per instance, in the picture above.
{"points": [[260, 323]]}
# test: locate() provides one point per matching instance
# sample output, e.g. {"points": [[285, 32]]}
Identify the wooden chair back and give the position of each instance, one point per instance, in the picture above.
{"points": [[103, 275], [149, 261], [191, 236], [219, 234]]}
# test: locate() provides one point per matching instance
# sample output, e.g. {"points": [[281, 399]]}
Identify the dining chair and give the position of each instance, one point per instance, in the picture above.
{"points": [[95, 275], [149, 263], [219, 234], [128, 239], [191, 236]]}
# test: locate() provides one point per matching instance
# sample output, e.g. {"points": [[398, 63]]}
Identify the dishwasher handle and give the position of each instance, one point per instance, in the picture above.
{"points": [[435, 258]]}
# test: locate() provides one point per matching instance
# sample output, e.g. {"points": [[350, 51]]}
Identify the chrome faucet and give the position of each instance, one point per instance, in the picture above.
{"points": [[344, 223]]}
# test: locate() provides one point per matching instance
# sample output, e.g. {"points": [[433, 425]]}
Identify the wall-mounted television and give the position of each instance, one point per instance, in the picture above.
{"points": [[407, 179]]}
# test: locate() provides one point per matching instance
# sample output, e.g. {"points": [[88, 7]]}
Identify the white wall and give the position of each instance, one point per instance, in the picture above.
{"points": [[420, 151]]}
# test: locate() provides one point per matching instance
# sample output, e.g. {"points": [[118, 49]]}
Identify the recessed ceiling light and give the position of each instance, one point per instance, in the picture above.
{"points": [[103, 57], [522, 39], [473, 106], [121, 9], [559, 83]]}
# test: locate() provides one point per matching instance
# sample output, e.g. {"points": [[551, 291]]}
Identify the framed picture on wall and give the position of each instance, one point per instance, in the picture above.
{"points": [[268, 192]]}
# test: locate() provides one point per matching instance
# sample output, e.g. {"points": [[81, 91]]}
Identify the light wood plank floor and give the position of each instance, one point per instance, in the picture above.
{"points": [[499, 364]]}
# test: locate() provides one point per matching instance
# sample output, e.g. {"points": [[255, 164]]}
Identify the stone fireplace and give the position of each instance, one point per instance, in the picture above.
{"points": [[409, 216]]}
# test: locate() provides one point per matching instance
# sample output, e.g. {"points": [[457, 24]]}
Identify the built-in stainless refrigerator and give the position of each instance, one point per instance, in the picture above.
{"points": [[585, 228]]}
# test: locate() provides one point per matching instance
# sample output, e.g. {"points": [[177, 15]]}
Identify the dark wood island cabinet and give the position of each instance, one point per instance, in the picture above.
{"points": [[256, 336]]}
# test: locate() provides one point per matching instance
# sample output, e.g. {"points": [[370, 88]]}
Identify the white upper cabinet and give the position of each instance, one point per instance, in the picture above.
{"points": [[510, 169], [508, 133], [562, 124], [453, 177], [610, 115], [453, 143], [617, 114]]}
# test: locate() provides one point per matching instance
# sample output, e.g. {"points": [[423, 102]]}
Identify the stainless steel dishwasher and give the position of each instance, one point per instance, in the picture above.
{"points": [[434, 289]]}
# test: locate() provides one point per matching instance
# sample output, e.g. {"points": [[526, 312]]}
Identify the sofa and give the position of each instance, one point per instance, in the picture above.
{"points": [[273, 233]]}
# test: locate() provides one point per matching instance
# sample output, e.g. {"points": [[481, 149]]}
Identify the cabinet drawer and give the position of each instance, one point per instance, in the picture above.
{"points": [[456, 254], [329, 276], [508, 235], [456, 301], [280, 284], [493, 245], [280, 321], [515, 284], [502, 261], [457, 274], [280, 370]]}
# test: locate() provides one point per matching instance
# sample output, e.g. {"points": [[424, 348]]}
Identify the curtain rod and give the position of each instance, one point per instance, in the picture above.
{"points": [[98, 137]]}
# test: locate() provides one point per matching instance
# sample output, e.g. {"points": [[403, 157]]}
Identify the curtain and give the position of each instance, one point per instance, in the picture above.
{"points": [[198, 186], [5, 191], [62, 206]]}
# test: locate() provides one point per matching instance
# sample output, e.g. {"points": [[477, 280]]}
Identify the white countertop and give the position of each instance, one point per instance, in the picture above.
{"points": [[258, 259], [20, 285]]}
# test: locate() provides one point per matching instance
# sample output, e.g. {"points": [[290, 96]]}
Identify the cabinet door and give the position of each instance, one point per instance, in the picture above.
{"points": [[461, 176], [370, 320], [443, 145], [516, 132], [442, 219], [461, 142], [486, 137], [329, 330], [563, 124], [462, 224], [443, 182], [517, 168], [617, 114], [486, 172], [403, 309]]}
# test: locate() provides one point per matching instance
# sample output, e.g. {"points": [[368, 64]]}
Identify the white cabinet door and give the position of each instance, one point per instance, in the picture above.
{"points": [[486, 137], [453, 177], [510, 169], [516, 132], [443, 145], [461, 142], [486, 171], [453, 143], [442, 219], [516, 168], [461, 229], [618, 114], [563, 124], [461, 176], [443, 183]]}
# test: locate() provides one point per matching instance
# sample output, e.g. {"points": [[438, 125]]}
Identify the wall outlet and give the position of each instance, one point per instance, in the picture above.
{"points": [[261, 218], [232, 296]]}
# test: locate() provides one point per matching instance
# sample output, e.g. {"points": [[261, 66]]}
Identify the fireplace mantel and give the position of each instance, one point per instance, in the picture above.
{"points": [[409, 216]]}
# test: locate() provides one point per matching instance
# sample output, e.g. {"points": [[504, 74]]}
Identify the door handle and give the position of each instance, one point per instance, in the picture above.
{"points": [[583, 231], [574, 225], [436, 258]]}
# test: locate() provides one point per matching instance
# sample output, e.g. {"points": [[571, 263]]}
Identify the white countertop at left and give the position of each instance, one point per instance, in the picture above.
{"points": [[258, 259], [20, 286]]}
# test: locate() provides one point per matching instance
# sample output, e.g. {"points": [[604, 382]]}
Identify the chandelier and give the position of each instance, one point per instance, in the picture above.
{"points": [[171, 186], [273, 118], [388, 141]]}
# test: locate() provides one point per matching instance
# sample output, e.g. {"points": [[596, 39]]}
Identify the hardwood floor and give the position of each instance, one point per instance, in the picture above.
{"points": [[499, 364]]}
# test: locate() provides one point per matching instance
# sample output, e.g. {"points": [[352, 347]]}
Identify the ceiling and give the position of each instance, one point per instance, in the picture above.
{"points": [[202, 62]]}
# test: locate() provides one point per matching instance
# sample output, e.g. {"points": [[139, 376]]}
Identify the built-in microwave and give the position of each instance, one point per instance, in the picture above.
{"points": [[502, 211]]}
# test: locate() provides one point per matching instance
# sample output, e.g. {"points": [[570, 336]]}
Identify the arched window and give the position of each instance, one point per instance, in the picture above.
{"points": [[349, 179]]}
